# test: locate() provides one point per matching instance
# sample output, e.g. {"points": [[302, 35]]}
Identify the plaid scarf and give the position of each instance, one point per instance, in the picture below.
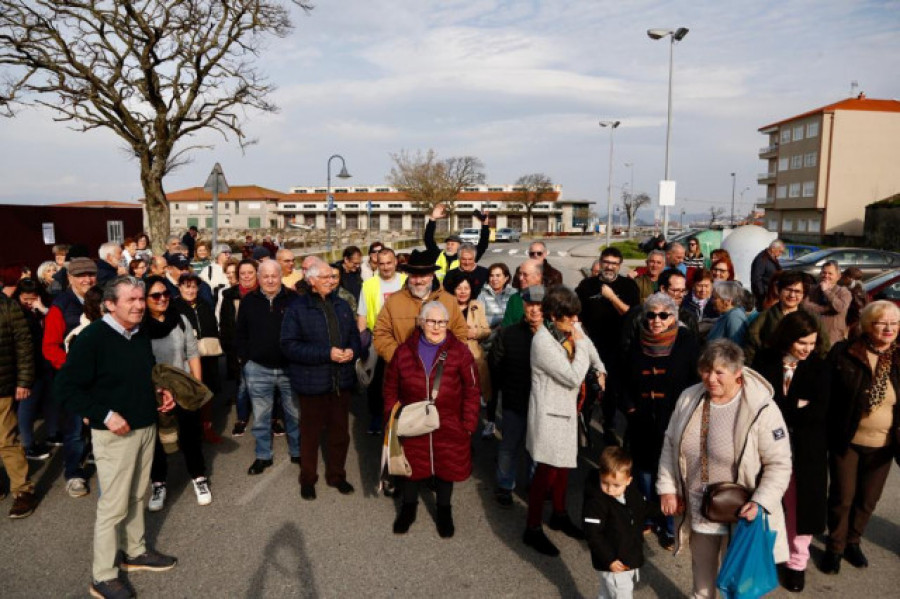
{"points": [[660, 345]]}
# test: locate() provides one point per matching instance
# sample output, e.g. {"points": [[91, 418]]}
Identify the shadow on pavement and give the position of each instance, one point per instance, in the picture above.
{"points": [[284, 559]]}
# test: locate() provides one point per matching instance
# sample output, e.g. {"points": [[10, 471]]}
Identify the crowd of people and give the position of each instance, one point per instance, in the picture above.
{"points": [[786, 386]]}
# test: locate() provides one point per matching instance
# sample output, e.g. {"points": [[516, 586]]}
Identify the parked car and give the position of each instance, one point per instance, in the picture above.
{"points": [[793, 251], [470, 235], [870, 261], [507, 234], [884, 287]]}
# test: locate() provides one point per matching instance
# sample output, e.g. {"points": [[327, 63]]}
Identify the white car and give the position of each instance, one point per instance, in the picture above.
{"points": [[470, 235], [507, 234]]}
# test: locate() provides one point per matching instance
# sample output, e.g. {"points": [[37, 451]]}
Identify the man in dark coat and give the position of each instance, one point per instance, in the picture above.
{"points": [[189, 240], [351, 279], [320, 339], [468, 267], [763, 267], [550, 276]]}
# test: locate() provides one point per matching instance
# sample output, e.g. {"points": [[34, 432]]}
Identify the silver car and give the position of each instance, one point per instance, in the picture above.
{"points": [[471, 235], [507, 234]]}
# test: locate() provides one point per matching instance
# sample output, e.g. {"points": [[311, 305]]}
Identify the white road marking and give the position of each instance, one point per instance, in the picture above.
{"points": [[265, 480]]}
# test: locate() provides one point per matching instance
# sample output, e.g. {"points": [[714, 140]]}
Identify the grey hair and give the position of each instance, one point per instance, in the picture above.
{"points": [[776, 245], [659, 253], [730, 291], [172, 238], [315, 267], [721, 352], [834, 264], [428, 308], [467, 247], [662, 300], [111, 289], [540, 243], [42, 269], [107, 248], [222, 248]]}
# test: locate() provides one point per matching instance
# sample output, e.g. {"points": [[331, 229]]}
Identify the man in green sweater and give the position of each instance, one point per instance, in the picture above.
{"points": [[107, 379]]}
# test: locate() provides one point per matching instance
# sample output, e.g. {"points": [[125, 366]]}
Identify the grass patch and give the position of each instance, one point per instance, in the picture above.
{"points": [[629, 249]]}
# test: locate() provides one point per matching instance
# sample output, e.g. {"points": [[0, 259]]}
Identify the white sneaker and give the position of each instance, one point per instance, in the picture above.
{"points": [[488, 431], [77, 487], [157, 497], [201, 488]]}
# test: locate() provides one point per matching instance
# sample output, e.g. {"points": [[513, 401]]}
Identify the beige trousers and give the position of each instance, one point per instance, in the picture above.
{"points": [[11, 451], [123, 472], [707, 552]]}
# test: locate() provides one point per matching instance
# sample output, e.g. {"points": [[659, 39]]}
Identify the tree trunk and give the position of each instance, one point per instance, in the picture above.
{"points": [[157, 207]]}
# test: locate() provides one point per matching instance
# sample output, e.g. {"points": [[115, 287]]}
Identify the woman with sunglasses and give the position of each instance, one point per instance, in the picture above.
{"points": [[174, 343], [693, 258], [661, 366]]}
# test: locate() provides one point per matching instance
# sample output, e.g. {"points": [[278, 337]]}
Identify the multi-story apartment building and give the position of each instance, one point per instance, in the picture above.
{"points": [[824, 166], [377, 208]]}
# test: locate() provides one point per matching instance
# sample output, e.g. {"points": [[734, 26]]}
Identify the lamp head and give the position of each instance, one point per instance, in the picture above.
{"points": [[680, 33], [612, 124], [343, 174], [658, 34]]}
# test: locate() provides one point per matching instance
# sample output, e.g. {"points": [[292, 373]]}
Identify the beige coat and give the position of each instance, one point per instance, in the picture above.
{"points": [[397, 320], [476, 320], [761, 443]]}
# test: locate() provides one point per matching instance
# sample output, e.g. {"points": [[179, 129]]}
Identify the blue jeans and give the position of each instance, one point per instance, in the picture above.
{"points": [[646, 482], [27, 410], [242, 402], [512, 443], [262, 383], [73, 445]]}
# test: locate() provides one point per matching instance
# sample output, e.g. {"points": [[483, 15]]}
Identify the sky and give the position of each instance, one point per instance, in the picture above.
{"points": [[520, 84]]}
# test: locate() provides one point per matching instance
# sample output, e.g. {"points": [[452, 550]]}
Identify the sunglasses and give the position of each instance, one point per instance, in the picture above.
{"points": [[533, 254], [659, 315], [159, 295]]}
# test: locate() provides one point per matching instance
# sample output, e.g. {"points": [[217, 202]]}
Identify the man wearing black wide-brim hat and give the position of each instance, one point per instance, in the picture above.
{"points": [[397, 319]]}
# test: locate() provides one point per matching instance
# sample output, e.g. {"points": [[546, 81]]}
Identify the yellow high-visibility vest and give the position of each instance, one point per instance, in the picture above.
{"points": [[371, 292]]}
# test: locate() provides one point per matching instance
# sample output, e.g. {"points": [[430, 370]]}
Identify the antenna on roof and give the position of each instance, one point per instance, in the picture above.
{"points": [[854, 85]]}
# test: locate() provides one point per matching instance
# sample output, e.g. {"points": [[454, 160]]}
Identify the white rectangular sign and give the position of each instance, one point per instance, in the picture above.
{"points": [[49, 233], [666, 193]]}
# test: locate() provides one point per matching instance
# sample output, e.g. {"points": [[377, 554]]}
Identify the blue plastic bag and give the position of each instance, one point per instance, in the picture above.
{"points": [[748, 570]]}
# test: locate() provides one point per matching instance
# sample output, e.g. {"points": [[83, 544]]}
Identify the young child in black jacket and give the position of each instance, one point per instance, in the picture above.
{"points": [[614, 515]]}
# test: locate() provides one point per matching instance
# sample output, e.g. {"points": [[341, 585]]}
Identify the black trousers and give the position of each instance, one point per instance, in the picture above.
{"points": [[190, 440], [374, 393], [857, 480], [444, 490]]}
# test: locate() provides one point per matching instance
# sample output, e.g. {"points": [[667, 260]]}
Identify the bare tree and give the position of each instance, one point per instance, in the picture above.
{"points": [[714, 214], [428, 181], [631, 203], [154, 73], [531, 190]]}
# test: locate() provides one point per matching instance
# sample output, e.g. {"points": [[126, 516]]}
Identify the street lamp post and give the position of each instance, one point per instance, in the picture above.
{"points": [[746, 189], [733, 180], [215, 184], [630, 165], [612, 127], [330, 198], [675, 35]]}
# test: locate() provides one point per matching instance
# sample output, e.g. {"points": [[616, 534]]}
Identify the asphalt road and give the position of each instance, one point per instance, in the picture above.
{"points": [[259, 539]]}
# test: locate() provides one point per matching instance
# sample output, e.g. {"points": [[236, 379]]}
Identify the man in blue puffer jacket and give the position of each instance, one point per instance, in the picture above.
{"points": [[320, 339]]}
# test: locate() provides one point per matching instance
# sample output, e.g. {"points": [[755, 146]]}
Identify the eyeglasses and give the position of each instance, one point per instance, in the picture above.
{"points": [[790, 291], [885, 325], [441, 324], [159, 295], [610, 262], [676, 291], [659, 315], [533, 254], [720, 270]]}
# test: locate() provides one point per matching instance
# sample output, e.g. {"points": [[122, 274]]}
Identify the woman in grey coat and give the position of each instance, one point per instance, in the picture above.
{"points": [[561, 355]]}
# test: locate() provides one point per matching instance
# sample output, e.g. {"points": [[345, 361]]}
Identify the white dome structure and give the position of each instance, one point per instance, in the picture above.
{"points": [[743, 244]]}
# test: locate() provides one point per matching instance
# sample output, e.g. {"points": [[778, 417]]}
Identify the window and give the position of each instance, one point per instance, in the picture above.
{"points": [[465, 206], [227, 221], [471, 189], [289, 206], [209, 223], [395, 222], [809, 159], [783, 165], [361, 190], [495, 189], [772, 224], [254, 222], [254, 206], [177, 221], [395, 206], [376, 205], [237, 207], [798, 132], [781, 192], [794, 190], [115, 231], [226, 205], [796, 161], [300, 191], [177, 207], [785, 136], [321, 190], [341, 190], [787, 225], [812, 130], [809, 189], [815, 225], [193, 222], [310, 205], [801, 225], [382, 189], [346, 206]]}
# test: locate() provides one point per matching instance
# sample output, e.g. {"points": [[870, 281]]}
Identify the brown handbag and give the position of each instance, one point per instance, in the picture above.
{"points": [[721, 501]]}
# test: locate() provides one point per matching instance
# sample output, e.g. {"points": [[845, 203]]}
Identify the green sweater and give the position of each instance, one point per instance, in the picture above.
{"points": [[105, 371], [515, 310]]}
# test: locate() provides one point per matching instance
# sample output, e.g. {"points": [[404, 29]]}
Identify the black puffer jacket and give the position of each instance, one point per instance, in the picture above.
{"points": [[16, 349], [510, 359]]}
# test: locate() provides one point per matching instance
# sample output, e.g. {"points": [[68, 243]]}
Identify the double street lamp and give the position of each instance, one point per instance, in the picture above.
{"points": [[675, 35], [330, 198], [612, 127]]}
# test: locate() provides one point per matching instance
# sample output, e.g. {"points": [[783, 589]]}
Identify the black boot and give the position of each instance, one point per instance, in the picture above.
{"points": [[794, 580], [444, 519], [560, 521], [855, 557], [831, 563], [405, 518], [535, 537]]}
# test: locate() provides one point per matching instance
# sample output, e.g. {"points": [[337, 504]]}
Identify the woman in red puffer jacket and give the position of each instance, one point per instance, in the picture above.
{"points": [[446, 453]]}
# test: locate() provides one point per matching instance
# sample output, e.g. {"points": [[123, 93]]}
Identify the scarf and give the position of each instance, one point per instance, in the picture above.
{"points": [[659, 346], [564, 339], [159, 329], [245, 290], [874, 395]]}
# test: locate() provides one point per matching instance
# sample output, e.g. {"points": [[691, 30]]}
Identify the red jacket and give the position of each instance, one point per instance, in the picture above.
{"points": [[457, 404]]}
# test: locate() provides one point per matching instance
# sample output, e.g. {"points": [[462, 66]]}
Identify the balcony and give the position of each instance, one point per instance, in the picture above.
{"points": [[764, 178], [765, 202], [768, 151]]}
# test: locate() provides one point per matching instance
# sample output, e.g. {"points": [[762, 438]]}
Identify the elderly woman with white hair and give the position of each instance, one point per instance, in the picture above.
{"points": [[728, 298], [431, 359], [725, 429], [862, 429]]}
